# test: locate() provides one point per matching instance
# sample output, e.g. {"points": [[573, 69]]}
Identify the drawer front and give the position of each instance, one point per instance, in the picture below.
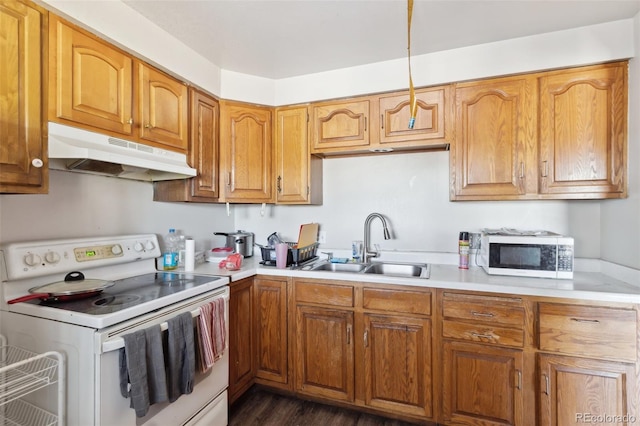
{"points": [[324, 294], [401, 301], [481, 333], [495, 310], [608, 333]]}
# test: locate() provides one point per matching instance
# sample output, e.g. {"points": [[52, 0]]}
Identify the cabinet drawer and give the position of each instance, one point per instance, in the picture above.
{"points": [[411, 302], [325, 294], [483, 333], [496, 310], [600, 332]]}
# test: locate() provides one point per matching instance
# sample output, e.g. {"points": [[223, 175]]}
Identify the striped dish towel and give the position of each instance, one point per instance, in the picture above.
{"points": [[212, 335]]}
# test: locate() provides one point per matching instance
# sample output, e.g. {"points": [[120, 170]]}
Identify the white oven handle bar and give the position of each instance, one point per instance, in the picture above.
{"points": [[118, 342]]}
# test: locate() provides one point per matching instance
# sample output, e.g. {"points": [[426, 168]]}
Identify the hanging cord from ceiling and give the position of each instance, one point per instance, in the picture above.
{"points": [[412, 94]]}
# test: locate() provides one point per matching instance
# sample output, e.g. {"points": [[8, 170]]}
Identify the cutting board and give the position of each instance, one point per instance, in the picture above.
{"points": [[308, 234]]}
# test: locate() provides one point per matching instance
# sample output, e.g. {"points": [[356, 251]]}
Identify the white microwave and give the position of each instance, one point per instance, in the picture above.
{"points": [[539, 254]]}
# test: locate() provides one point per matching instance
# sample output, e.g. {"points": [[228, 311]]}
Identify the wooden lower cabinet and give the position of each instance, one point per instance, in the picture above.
{"points": [[397, 364], [325, 352], [585, 391], [481, 384], [242, 368], [270, 314]]}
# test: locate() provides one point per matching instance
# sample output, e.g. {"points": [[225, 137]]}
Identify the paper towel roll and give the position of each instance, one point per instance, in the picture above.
{"points": [[190, 255]]}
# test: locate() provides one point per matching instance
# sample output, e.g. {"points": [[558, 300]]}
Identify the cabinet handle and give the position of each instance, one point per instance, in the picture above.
{"points": [[482, 336], [522, 170], [228, 179], [381, 121], [518, 379], [366, 338], [148, 126], [279, 185], [545, 168], [482, 314], [547, 390], [365, 124], [592, 321], [37, 163], [348, 335]]}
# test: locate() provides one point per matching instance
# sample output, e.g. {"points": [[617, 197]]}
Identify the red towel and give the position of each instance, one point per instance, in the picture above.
{"points": [[212, 334]]}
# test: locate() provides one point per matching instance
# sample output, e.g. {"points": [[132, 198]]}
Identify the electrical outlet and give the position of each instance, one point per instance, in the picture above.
{"points": [[322, 237]]}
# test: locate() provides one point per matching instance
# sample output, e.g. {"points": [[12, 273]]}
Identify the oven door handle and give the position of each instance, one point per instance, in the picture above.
{"points": [[118, 342]]}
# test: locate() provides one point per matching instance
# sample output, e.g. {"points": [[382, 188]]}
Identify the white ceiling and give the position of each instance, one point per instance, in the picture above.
{"points": [[284, 38]]}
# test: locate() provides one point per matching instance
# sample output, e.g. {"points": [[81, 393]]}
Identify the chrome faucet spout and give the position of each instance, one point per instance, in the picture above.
{"points": [[368, 253]]}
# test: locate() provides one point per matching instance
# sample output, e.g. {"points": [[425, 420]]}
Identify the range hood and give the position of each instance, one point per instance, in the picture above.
{"points": [[79, 150]]}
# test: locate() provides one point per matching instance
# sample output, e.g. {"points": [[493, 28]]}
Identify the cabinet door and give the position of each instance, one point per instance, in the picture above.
{"points": [[203, 149], [245, 153], [324, 353], [340, 126], [495, 139], [162, 108], [299, 174], [430, 124], [271, 330], [397, 364], [584, 391], [90, 80], [23, 165], [481, 384], [241, 339], [583, 132]]}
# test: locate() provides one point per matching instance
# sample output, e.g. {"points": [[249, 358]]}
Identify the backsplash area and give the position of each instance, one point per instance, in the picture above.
{"points": [[411, 190]]}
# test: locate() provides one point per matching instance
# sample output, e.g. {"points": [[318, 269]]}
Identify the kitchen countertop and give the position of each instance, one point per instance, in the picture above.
{"points": [[585, 285]]}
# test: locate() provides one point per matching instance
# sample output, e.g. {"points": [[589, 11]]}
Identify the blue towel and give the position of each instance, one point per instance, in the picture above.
{"points": [[181, 368], [142, 369]]}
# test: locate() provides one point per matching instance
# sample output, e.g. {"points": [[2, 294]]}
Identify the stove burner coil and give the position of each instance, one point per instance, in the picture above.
{"points": [[120, 299]]}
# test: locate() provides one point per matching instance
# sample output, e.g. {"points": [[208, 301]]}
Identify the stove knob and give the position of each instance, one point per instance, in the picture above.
{"points": [[52, 257], [32, 259], [150, 246], [138, 246], [116, 249]]}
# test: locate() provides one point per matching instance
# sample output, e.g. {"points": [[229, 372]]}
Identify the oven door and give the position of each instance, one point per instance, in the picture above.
{"points": [[209, 389]]}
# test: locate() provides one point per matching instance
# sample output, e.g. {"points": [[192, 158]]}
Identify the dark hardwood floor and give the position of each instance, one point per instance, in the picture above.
{"points": [[259, 407]]}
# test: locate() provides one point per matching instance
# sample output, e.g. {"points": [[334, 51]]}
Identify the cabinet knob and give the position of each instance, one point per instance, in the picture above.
{"points": [[130, 121], [36, 162]]}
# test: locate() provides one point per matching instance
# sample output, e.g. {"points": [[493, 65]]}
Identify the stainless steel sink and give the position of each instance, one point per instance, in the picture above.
{"points": [[415, 270], [339, 267], [392, 269]]}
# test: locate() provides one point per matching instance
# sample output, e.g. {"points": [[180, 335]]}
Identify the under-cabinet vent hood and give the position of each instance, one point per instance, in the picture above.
{"points": [[79, 150]]}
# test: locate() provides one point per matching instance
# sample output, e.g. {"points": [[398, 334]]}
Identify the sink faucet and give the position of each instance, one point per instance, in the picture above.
{"points": [[368, 253]]}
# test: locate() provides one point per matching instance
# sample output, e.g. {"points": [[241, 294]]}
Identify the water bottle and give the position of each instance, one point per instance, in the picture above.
{"points": [[170, 255], [182, 245]]}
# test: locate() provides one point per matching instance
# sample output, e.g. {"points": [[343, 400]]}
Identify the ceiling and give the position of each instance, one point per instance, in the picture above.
{"points": [[284, 38]]}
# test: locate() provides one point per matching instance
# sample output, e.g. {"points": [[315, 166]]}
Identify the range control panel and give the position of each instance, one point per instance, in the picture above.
{"points": [[37, 258]]}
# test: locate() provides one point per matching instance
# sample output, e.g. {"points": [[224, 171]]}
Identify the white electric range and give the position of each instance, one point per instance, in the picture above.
{"points": [[88, 328]]}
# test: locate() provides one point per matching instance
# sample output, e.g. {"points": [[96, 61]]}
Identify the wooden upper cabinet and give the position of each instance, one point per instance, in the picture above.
{"points": [[432, 122], [583, 132], [298, 174], [495, 139], [23, 140], [91, 82], [96, 86], [246, 168], [203, 155], [340, 127], [163, 106]]}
